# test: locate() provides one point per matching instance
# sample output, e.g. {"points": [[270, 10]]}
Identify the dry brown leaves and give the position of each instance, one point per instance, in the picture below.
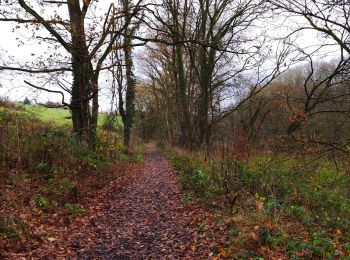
{"points": [[137, 216]]}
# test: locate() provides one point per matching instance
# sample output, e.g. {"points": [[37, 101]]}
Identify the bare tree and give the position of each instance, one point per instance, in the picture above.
{"points": [[88, 49], [330, 18], [212, 44], [322, 82]]}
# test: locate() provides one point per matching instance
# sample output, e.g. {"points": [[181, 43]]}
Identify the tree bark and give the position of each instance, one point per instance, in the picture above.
{"points": [[128, 114], [82, 74]]}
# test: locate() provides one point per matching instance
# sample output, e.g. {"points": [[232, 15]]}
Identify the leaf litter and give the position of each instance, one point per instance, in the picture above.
{"points": [[137, 216]]}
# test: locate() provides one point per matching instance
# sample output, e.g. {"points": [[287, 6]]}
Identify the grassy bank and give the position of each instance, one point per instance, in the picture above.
{"points": [[270, 206], [60, 116], [46, 179]]}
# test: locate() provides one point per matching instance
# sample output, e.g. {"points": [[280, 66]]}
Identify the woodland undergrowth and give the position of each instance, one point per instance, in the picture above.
{"points": [[269, 205], [46, 178]]}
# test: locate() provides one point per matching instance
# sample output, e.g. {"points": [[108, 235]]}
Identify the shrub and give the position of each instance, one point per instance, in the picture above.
{"points": [[74, 209], [42, 202], [10, 228], [185, 198], [270, 238], [9, 233], [193, 176], [315, 194], [138, 157]]}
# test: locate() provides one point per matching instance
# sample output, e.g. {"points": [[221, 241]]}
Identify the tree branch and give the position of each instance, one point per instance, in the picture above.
{"points": [[47, 25], [35, 71], [50, 91]]}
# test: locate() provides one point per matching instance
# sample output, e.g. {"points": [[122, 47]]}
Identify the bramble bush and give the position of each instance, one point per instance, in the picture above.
{"points": [[316, 196], [44, 163]]}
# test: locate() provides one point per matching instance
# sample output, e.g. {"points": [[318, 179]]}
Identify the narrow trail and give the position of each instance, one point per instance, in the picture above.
{"points": [[139, 216]]}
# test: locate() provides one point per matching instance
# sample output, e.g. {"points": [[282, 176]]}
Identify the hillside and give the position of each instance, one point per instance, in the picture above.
{"points": [[60, 116]]}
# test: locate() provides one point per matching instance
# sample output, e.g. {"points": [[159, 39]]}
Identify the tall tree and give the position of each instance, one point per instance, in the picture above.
{"points": [[127, 112], [88, 49], [213, 46]]}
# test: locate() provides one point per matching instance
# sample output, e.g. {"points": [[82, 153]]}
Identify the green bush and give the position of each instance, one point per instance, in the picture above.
{"points": [[75, 209], [139, 157], [42, 202], [320, 247], [298, 212], [185, 198], [317, 194], [193, 176], [9, 233], [271, 238], [41, 148]]}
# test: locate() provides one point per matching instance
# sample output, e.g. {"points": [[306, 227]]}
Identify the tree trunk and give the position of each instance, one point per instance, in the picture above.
{"points": [[183, 116], [128, 118], [94, 114], [182, 97], [81, 75], [201, 124], [130, 93]]}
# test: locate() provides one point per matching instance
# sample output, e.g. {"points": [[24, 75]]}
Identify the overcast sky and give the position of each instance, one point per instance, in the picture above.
{"points": [[12, 83]]}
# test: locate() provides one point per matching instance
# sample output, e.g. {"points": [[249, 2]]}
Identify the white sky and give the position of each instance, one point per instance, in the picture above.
{"points": [[12, 83]]}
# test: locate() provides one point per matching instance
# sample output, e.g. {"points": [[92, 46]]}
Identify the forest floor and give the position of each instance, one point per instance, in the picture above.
{"points": [[139, 215]]}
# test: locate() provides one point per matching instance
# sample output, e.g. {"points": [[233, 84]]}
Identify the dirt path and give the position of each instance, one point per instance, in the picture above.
{"points": [[139, 216]]}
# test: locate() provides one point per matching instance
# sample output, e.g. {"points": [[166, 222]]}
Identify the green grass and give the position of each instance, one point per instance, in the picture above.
{"points": [[57, 116], [60, 116]]}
